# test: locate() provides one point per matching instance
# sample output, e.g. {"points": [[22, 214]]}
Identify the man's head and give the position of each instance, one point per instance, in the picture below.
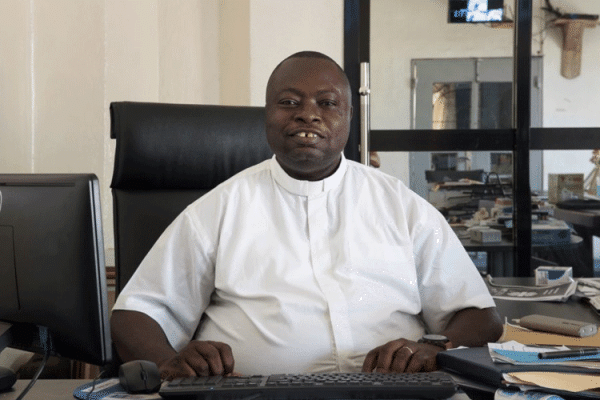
{"points": [[308, 113]]}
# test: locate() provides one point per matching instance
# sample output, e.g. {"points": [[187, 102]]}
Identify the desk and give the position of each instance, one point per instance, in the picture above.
{"points": [[48, 389], [500, 254], [587, 225], [62, 389]]}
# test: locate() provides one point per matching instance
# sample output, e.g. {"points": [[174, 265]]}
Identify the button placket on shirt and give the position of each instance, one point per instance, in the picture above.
{"points": [[321, 256]]}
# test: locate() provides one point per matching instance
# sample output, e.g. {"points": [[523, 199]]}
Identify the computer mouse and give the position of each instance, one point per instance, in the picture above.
{"points": [[7, 379], [139, 376]]}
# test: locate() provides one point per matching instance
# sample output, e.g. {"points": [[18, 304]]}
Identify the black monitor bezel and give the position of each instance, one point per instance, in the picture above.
{"points": [[71, 303]]}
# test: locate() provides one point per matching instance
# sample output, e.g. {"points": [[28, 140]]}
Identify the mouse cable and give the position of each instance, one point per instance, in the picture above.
{"points": [[47, 344], [92, 388]]}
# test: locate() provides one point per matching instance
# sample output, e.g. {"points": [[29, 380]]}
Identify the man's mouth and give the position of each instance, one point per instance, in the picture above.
{"points": [[306, 135]]}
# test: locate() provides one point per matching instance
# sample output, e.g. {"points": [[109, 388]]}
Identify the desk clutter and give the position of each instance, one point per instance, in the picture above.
{"points": [[493, 221], [533, 360], [513, 365], [538, 356]]}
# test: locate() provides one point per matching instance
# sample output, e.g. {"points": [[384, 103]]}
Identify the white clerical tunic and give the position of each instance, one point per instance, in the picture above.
{"points": [[301, 276]]}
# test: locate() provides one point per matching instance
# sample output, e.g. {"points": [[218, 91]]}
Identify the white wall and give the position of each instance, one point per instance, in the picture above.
{"points": [[572, 102], [65, 61], [281, 28]]}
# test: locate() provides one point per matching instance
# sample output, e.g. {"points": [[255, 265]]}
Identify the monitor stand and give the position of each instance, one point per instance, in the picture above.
{"points": [[5, 335], [7, 377]]}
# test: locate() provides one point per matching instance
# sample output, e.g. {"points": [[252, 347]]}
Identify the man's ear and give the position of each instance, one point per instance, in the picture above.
{"points": [[351, 112]]}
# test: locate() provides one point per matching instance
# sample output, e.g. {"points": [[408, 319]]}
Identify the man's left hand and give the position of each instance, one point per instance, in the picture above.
{"points": [[402, 355]]}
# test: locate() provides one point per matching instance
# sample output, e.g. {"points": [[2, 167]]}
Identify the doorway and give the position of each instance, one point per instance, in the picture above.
{"points": [[470, 93]]}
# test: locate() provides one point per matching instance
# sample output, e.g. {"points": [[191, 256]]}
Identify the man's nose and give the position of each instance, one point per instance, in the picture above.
{"points": [[308, 113]]}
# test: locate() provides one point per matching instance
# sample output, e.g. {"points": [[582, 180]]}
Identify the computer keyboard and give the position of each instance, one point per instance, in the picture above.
{"points": [[425, 385]]}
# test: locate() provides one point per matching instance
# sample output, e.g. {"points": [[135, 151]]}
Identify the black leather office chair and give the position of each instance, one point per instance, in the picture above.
{"points": [[167, 156]]}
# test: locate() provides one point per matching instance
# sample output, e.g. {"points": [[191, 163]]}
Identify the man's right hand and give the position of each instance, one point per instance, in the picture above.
{"points": [[199, 358], [136, 336]]}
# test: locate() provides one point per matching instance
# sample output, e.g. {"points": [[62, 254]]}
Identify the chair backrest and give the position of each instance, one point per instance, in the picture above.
{"points": [[167, 156]]}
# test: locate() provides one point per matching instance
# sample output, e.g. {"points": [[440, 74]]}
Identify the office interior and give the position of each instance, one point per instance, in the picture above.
{"points": [[69, 60]]}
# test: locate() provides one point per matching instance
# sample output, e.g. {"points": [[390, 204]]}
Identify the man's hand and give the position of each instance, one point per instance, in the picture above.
{"points": [[136, 336], [199, 358], [402, 355]]}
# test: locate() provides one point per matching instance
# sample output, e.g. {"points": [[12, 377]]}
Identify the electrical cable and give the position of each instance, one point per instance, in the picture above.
{"points": [[47, 344]]}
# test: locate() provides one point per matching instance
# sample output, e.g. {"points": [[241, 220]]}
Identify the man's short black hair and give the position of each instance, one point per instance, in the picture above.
{"points": [[310, 54]]}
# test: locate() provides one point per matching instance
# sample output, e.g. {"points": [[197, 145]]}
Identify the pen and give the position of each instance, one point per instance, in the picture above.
{"points": [[569, 353]]}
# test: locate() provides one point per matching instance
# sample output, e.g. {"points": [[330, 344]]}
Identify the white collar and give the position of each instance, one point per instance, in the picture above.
{"points": [[308, 188]]}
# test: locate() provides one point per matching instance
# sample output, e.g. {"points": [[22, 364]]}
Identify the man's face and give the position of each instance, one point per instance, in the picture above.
{"points": [[308, 115]]}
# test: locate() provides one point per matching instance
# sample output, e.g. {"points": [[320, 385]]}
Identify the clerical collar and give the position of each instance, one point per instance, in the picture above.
{"points": [[308, 188]]}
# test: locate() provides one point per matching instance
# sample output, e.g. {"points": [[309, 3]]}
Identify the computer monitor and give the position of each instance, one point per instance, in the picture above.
{"points": [[475, 11], [52, 271]]}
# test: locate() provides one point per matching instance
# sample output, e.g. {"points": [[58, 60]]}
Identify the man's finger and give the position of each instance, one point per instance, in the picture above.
{"points": [[401, 359], [176, 367], [413, 364], [198, 362], [226, 356], [370, 361], [207, 360], [387, 353]]}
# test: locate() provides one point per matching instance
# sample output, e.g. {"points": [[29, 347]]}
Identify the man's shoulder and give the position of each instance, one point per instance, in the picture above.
{"points": [[383, 184], [362, 171], [250, 177]]}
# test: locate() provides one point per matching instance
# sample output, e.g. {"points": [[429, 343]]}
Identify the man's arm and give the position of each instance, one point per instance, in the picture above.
{"points": [[469, 327], [474, 327], [137, 336]]}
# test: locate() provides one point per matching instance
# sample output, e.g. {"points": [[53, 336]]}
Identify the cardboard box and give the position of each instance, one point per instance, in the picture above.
{"points": [[551, 232], [547, 275], [564, 186], [485, 235]]}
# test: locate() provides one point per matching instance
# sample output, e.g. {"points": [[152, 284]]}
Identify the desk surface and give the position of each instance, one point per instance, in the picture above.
{"points": [[62, 389], [49, 389], [586, 218]]}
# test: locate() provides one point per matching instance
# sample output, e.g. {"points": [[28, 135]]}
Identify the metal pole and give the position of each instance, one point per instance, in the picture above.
{"points": [[522, 126], [365, 123]]}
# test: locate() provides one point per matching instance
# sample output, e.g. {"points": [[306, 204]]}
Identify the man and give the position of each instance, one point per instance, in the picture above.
{"points": [[306, 262]]}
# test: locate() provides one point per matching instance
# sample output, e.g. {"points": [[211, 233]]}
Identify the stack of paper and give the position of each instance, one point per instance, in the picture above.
{"points": [[518, 354], [476, 364]]}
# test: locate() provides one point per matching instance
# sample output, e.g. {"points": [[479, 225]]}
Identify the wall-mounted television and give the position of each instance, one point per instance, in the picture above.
{"points": [[475, 11]]}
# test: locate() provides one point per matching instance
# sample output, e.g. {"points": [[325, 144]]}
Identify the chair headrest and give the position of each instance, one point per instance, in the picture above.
{"points": [[184, 146]]}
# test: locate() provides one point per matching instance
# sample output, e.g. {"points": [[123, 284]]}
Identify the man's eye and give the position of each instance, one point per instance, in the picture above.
{"points": [[328, 103], [288, 102]]}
